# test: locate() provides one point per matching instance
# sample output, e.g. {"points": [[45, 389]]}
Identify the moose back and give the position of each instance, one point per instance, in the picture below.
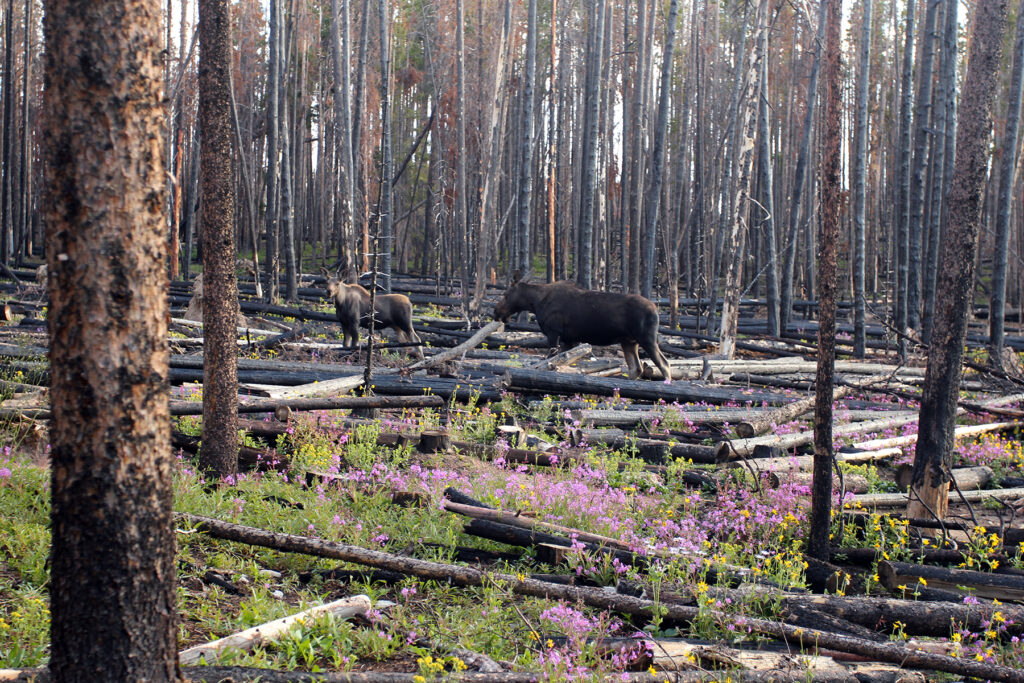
{"points": [[569, 315]]}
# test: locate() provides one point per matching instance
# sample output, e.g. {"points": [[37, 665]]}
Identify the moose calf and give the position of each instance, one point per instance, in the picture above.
{"points": [[352, 305]]}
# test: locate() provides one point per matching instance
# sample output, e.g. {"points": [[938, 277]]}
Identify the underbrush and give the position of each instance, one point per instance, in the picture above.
{"points": [[685, 537]]}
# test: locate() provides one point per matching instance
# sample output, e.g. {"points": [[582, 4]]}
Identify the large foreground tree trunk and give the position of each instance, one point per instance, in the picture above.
{"points": [[112, 571], [219, 455], [933, 456]]}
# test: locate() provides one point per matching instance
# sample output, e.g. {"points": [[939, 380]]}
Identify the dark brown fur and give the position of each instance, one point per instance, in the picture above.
{"points": [[352, 305], [569, 315]]}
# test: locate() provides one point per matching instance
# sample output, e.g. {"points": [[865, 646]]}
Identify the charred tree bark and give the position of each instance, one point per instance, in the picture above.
{"points": [[526, 155], [636, 127], [591, 128], [767, 193], [273, 260], [828, 257], [343, 126], [386, 224], [933, 456], [112, 572], [735, 244], [461, 184], [799, 180], [903, 180], [219, 455], [658, 167], [922, 122], [860, 154], [1007, 176]]}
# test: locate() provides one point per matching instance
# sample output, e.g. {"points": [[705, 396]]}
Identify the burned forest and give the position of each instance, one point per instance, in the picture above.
{"points": [[498, 341]]}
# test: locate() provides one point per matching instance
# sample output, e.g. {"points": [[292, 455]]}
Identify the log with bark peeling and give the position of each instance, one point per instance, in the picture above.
{"points": [[745, 447], [891, 500], [272, 630], [457, 351], [337, 403]]}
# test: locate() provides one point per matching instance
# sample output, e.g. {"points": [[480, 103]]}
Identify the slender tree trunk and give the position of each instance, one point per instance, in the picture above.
{"points": [[359, 177], [1007, 178], [591, 130], [933, 456], [797, 197], [828, 257], [903, 182], [922, 123], [526, 153], [552, 153], [658, 167], [7, 154], [342, 124], [386, 225], [273, 262], [461, 184], [112, 587], [942, 116], [637, 134], [735, 243], [860, 154], [287, 209], [491, 163], [767, 194], [219, 455], [25, 169]]}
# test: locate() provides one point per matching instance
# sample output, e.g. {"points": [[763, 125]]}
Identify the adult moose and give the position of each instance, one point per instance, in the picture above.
{"points": [[352, 306], [569, 315]]}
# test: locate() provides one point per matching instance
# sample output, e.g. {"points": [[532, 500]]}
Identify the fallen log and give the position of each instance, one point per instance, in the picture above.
{"points": [[674, 654], [966, 478], [563, 359], [929, 619], [626, 418], [530, 523], [891, 500], [959, 433], [895, 575], [542, 381], [745, 447], [272, 630], [764, 422], [302, 404], [456, 351], [330, 387]]}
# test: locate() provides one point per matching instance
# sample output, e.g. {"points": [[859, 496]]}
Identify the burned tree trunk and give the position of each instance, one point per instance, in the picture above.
{"points": [[828, 257], [1007, 174], [859, 190], [933, 456], [112, 572], [219, 455]]}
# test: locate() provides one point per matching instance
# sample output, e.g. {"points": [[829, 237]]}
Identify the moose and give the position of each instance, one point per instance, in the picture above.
{"points": [[569, 315], [352, 305]]}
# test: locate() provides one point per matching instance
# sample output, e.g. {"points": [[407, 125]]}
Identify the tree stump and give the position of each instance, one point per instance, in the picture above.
{"points": [[434, 441]]}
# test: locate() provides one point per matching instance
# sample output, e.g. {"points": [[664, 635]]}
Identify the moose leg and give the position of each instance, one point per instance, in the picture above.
{"points": [[411, 336], [629, 350], [655, 353]]}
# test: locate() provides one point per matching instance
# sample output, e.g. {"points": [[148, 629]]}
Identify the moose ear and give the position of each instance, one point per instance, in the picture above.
{"points": [[517, 276]]}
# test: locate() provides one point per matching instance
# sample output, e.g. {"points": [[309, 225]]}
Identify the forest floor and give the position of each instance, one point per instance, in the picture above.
{"points": [[726, 540]]}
